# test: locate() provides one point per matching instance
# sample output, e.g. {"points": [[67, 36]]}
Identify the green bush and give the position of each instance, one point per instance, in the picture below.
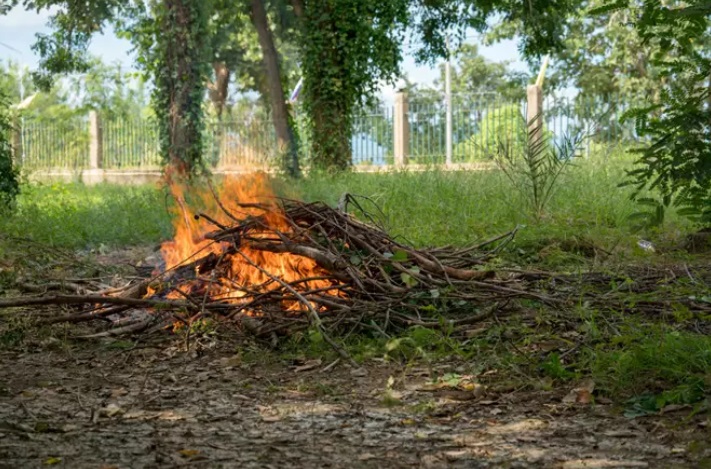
{"points": [[9, 185], [503, 124]]}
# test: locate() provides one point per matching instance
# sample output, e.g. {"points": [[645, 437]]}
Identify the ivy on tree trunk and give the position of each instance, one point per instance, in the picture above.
{"points": [[180, 75], [9, 185], [347, 48]]}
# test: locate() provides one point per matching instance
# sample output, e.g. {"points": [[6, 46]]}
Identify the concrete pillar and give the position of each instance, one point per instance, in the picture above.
{"points": [[534, 114], [401, 129], [96, 146]]}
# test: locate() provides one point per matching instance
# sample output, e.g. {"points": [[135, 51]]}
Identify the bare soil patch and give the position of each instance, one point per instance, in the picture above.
{"points": [[99, 407]]}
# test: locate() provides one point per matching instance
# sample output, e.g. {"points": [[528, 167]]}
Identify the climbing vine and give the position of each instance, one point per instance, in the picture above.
{"points": [[9, 185], [173, 46], [348, 47]]}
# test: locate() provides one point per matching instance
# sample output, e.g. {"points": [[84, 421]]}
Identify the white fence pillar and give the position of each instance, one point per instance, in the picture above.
{"points": [[96, 145], [534, 113], [401, 129]]}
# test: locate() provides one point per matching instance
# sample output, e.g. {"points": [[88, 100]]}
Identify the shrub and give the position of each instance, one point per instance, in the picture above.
{"points": [[9, 184]]}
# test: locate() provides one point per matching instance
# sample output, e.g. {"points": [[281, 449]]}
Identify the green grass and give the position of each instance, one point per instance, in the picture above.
{"points": [[77, 216], [437, 207], [426, 208], [657, 367]]}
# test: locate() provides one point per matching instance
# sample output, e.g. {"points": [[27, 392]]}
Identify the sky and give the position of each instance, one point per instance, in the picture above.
{"points": [[18, 29]]}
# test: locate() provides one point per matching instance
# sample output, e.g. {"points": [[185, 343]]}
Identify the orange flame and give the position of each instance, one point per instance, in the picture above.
{"points": [[241, 278]]}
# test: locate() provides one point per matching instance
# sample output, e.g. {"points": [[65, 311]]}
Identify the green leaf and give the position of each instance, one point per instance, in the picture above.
{"points": [[399, 256], [408, 280]]}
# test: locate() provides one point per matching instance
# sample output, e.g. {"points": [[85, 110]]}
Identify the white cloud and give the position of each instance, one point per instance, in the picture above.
{"points": [[20, 18]]}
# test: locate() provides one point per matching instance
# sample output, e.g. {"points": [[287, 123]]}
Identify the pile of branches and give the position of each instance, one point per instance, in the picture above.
{"points": [[368, 278]]}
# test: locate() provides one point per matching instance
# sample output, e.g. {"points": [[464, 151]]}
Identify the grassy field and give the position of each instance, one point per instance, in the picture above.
{"points": [[650, 362], [427, 208]]}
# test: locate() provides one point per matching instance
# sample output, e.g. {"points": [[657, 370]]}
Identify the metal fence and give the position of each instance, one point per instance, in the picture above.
{"points": [[58, 144], [479, 124]]}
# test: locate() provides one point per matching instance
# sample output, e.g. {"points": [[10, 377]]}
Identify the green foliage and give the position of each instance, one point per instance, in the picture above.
{"points": [[73, 24], [676, 160], [9, 185], [539, 24], [656, 368], [501, 127], [348, 46]]}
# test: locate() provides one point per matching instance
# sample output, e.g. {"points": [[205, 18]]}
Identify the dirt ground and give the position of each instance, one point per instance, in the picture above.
{"points": [[114, 403], [152, 407]]}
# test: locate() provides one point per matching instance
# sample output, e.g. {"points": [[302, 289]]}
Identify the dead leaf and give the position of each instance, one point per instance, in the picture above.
{"points": [[111, 410], [581, 394], [359, 372], [309, 365], [52, 461], [119, 392], [189, 453]]}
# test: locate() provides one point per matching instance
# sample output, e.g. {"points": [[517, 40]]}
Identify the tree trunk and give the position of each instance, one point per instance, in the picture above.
{"points": [[327, 102], [180, 77], [217, 91], [280, 113], [298, 6], [218, 88]]}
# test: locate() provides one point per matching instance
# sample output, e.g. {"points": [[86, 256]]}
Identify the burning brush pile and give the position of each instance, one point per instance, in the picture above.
{"points": [[273, 266]]}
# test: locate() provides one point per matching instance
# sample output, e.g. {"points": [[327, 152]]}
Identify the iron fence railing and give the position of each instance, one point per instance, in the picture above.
{"points": [[129, 144], [58, 144], [479, 124]]}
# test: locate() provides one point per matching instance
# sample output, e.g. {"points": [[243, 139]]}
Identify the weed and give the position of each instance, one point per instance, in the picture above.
{"points": [[655, 367]]}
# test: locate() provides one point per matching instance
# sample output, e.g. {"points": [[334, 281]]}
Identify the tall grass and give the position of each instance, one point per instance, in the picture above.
{"points": [[439, 207], [78, 216], [426, 208]]}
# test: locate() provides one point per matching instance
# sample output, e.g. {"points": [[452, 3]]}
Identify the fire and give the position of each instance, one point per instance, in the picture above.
{"points": [[247, 271]]}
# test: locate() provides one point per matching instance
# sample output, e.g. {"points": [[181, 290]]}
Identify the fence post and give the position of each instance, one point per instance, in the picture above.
{"points": [[534, 112], [17, 149], [401, 129], [96, 146]]}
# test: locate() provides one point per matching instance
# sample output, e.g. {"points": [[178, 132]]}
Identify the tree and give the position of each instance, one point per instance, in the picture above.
{"points": [[286, 142], [173, 44], [9, 184], [170, 36], [676, 161]]}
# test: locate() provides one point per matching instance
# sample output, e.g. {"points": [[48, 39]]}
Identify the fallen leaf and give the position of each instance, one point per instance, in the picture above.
{"points": [[119, 392], [189, 453], [52, 461], [408, 422], [111, 410], [309, 365], [359, 372], [581, 394]]}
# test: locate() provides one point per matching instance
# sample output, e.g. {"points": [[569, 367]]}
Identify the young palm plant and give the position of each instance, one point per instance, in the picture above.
{"points": [[534, 165]]}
